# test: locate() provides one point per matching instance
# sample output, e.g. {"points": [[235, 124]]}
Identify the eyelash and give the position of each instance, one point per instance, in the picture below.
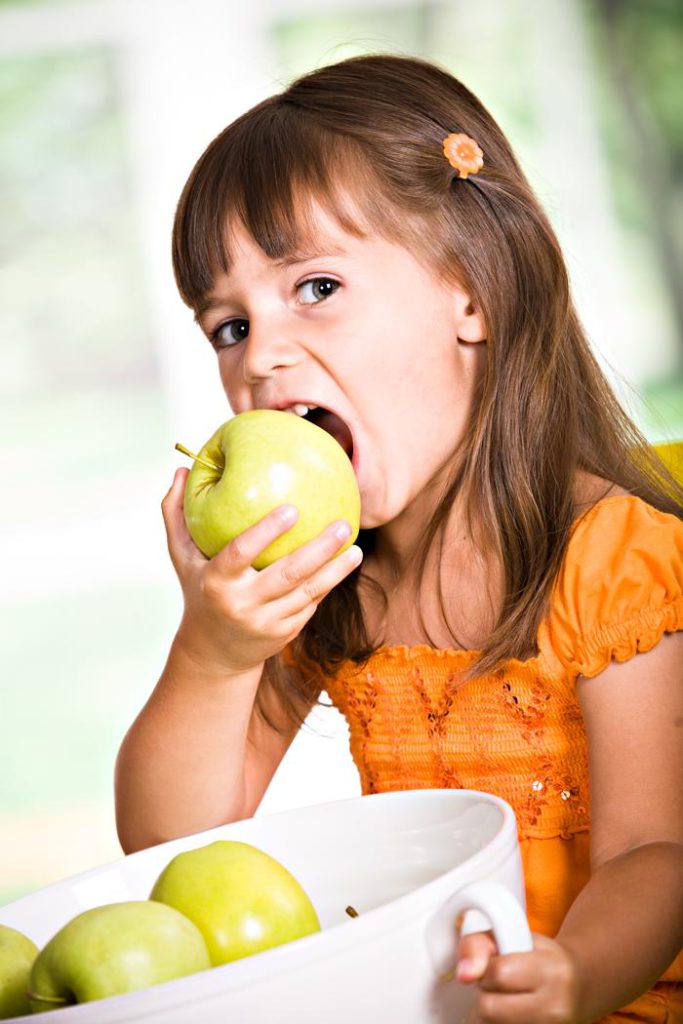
{"points": [[215, 336]]}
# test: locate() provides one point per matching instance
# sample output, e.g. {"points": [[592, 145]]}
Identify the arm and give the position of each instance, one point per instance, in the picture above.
{"points": [[198, 755], [629, 918], [626, 926]]}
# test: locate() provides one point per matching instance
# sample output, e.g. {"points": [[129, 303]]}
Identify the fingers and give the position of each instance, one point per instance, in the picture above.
{"points": [[548, 965], [304, 569], [288, 590], [241, 552], [180, 544], [478, 961], [294, 586], [307, 574], [511, 1008], [521, 987], [300, 603], [505, 983], [474, 954], [173, 498], [514, 972]]}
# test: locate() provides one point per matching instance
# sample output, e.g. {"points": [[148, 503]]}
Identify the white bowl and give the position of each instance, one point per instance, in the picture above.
{"points": [[408, 862]]}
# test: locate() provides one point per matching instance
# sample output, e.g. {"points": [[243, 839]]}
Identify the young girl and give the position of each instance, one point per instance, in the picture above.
{"points": [[366, 245]]}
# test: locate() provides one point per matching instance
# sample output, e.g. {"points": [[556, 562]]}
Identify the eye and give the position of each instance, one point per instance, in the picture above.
{"points": [[316, 289], [230, 333]]}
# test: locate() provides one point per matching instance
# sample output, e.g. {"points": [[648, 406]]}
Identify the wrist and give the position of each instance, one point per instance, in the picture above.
{"points": [[583, 1010], [192, 653]]}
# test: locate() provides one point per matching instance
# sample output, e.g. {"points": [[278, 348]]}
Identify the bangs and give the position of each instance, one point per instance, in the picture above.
{"points": [[268, 170]]}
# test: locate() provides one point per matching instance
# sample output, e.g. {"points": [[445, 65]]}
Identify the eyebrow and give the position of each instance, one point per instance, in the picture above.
{"points": [[291, 260]]}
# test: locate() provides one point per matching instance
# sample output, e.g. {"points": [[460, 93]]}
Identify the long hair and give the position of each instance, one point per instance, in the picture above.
{"points": [[365, 136]]}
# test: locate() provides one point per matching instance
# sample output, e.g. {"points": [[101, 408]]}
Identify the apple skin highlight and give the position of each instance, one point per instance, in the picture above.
{"points": [[263, 459]]}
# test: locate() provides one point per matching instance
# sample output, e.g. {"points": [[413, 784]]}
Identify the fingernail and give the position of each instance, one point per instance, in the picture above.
{"points": [[288, 513], [354, 554], [342, 530]]}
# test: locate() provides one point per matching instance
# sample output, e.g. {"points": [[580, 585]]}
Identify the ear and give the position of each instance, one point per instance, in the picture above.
{"points": [[469, 323]]}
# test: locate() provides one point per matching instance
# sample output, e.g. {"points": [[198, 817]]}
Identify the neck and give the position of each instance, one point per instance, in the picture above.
{"points": [[452, 599], [398, 543]]}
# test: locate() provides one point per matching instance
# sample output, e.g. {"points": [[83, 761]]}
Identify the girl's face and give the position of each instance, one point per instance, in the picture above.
{"points": [[362, 329]]}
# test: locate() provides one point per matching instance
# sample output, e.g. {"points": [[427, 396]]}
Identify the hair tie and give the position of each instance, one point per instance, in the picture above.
{"points": [[463, 154]]}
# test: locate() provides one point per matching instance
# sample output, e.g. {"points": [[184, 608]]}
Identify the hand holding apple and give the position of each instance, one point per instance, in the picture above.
{"points": [[262, 459], [242, 900], [236, 617], [116, 948], [17, 953]]}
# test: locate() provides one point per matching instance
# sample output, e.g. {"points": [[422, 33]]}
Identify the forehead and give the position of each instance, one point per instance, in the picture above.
{"points": [[317, 229], [321, 234]]}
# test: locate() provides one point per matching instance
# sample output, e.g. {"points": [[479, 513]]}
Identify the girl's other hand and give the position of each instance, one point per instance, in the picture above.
{"points": [[236, 616], [539, 987]]}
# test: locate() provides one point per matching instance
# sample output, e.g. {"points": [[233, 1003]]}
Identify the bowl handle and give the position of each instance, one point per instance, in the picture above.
{"points": [[502, 913]]}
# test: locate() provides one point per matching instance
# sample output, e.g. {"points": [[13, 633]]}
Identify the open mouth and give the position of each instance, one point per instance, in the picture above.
{"points": [[329, 422], [333, 425]]}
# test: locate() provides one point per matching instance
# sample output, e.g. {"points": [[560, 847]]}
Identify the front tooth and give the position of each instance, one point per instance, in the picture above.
{"points": [[300, 409]]}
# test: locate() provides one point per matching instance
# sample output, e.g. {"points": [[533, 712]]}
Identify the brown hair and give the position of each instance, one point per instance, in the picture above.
{"points": [[370, 129]]}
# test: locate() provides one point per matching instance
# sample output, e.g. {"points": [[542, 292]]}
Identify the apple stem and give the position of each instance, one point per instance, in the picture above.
{"points": [[56, 1000], [352, 912], [197, 458]]}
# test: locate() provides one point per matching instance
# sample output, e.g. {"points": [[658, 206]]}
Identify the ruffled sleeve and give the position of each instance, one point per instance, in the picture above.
{"points": [[620, 587]]}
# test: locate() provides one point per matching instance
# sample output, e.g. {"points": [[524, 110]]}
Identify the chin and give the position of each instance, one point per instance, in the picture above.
{"points": [[373, 520]]}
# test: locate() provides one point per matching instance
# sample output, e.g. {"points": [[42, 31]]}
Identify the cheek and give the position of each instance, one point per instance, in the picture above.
{"points": [[232, 378]]}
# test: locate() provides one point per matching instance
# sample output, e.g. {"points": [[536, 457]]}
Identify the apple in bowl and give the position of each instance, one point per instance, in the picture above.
{"points": [[112, 949], [241, 899], [17, 955], [259, 460]]}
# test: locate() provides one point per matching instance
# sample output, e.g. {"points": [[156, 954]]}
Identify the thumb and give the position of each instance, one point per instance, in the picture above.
{"points": [[474, 953]]}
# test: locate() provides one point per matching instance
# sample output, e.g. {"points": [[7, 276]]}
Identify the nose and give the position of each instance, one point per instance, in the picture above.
{"points": [[269, 347]]}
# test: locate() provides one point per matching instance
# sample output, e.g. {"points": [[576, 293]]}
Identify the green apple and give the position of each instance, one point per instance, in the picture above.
{"points": [[116, 948], [242, 900], [259, 460], [17, 953]]}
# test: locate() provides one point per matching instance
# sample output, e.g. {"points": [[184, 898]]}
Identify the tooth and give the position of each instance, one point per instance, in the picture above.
{"points": [[300, 409]]}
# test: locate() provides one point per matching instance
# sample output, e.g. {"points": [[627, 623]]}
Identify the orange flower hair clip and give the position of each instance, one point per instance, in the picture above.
{"points": [[463, 154]]}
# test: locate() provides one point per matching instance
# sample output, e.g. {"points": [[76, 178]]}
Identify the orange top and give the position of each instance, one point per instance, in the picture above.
{"points": [[519, 732]]}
